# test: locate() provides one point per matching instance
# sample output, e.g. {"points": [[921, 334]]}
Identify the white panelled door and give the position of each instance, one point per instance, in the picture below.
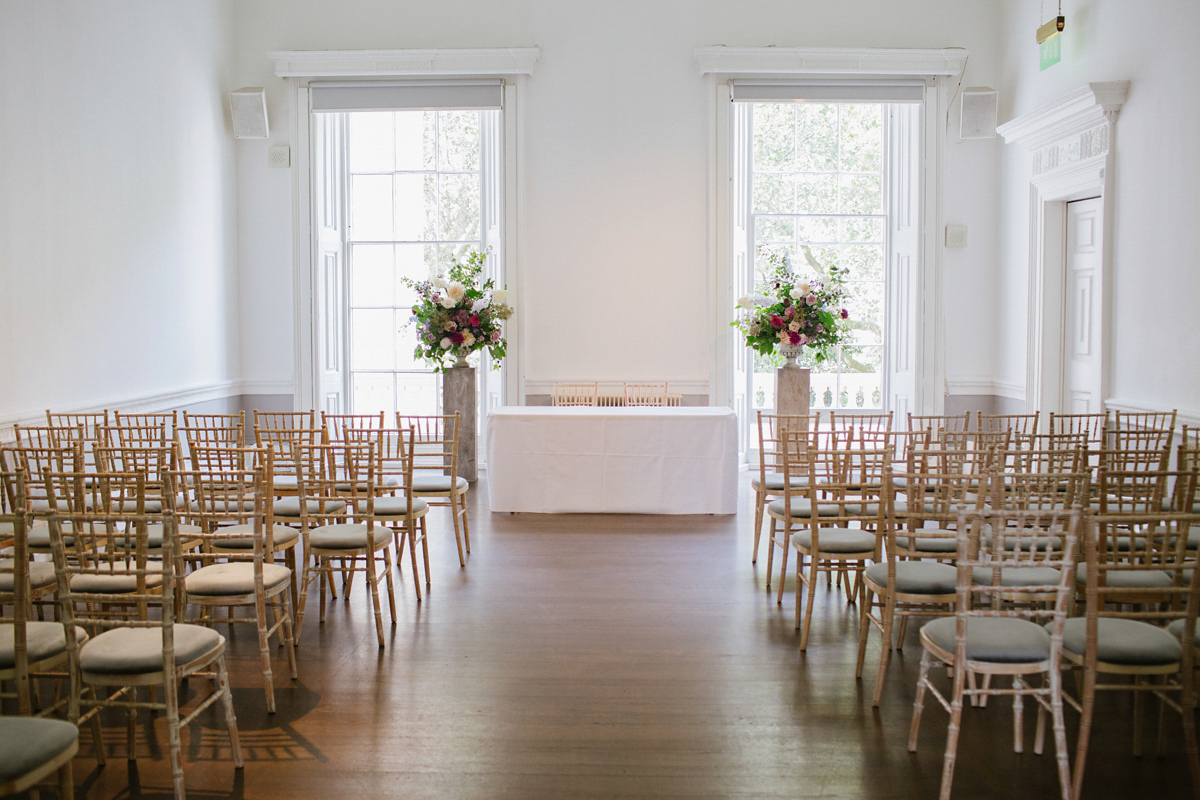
{"points": [[329, 169], [1082, 314]]}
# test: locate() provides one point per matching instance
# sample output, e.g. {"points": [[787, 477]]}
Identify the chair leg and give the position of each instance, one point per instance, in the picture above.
{"points": [[813, 574], [885, 652], [1139, 704], [373, 581], [230, 717], [952, 734], [391, 586], [66, 781], [171, 695], [1087, 701], [919, 702], [1061, 754], [264, 650], [425, 547], [770, 550], [466, 525], [1187, 702], [289, 640], [759, 505], [1018, 715], [412, 552], [864, 625], [462, 562], [303, 599], [783, 562]]}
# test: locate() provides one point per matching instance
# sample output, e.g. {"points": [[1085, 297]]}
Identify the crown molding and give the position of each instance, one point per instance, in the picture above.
{"points": [[1073, 113], [830, 60], [406, 63]]}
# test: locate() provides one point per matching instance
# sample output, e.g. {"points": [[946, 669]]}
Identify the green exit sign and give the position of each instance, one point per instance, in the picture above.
{"points": [[1051, 51]]}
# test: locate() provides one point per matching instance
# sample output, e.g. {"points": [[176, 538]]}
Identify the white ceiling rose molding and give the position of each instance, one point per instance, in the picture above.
{"points": [[830, 61], [404, 63], [1074, 113]]}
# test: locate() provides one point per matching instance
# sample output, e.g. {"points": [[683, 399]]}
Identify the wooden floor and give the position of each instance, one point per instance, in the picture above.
{"points": [[600, 656]]}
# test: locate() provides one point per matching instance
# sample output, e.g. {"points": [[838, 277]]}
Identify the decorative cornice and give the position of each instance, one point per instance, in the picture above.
{"points": [[1084, 109], [829, 61], [404, 63]]}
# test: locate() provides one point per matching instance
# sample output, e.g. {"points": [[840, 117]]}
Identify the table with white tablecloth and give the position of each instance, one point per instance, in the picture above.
{"points": [[613, 460]]}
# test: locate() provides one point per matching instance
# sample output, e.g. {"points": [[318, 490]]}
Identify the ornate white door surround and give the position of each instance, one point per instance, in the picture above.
{"points": [[1072, 144]]}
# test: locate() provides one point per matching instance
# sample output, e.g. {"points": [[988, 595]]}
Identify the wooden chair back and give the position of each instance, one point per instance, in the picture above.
{"points": [[938, 484], [435, 443], [34, 462], [287, 444], [1090, 425], [576, 394], [394, 454], [167, 420], [227, 497], [645, 394], [1019, 424], [936, 423], [336, 425], [15, 573]]}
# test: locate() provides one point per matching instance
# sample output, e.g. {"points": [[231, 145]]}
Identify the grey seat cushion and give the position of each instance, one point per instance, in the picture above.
{"points": [[137, 651], [38, 536], [283, 535], [1130, 578], [42, 640], [1018, 576], [222, 506], [1193, 540], [41, 575], [218, 580], [1176, 628], [1044, 543], [290, 506], [774, 481], [836, 540], [802, 508], [917, 577], [154, 535], [347, 536], [398, 506], [931, 544], [114, 580], [1129, 642], [385, 481], [997, 640], [441, 483], [284, 481], [27, 743]]}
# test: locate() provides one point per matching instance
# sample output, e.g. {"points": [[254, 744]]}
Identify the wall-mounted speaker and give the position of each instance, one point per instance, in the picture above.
{"points": [[979, 113], [249, 110]]}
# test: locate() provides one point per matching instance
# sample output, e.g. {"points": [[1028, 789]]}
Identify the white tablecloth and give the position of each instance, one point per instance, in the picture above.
{"points": [[618, 460]]}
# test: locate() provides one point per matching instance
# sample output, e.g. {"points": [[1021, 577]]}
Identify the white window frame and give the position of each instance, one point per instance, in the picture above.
{"points": [[514, 65], [940, 71]]}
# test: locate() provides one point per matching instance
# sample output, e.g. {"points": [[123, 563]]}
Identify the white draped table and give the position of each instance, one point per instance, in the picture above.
{"points": [[612, 460]]}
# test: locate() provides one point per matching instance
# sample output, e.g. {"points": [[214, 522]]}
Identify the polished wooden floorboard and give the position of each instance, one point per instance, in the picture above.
{"points": [[590, 656]]}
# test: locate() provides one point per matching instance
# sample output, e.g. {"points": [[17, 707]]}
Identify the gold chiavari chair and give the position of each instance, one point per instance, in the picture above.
{"points": [[769, 482], [1137, 588], [402, 511], [108, 563], [435, 477], [576, 394], [235, 566], [1090, 425], [1021, 425], [33, 748], [32, 462], [1162, 422], [270, 430], [167, 420], [936, 423], [212, 430], [89, 424], [337, 425], [864, 430], [645, 394], [985, 638], [328, 532]]}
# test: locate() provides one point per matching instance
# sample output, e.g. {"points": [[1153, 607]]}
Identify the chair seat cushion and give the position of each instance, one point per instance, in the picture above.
{"points": [[154, 535], [38, 536], [1129, 642], [222, 506], [385, 481], [41, 575], [27, 743], [997, 640], [290, 506], [441, 483], [1176, 628], [236, 578], [114, 579], [1130, 578], [398, 506], [1193, 540], [1044, 543], [931, 544], [42, 640], [283, 535], [802, 508], [774, 481], [836, 540], [284, 481], [138, 651], [916, 577], [1018, 576], [347, 536]]}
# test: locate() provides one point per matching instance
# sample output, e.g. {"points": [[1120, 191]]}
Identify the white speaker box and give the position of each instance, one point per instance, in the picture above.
{"points": [[979, 113], [249, 110]]}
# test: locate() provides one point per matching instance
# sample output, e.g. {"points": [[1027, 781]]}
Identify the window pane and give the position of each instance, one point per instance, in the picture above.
{"points": [[864, 301], [861, 379], [817, 137], [371, 275], [416, 209], [370, 142], [817, 229], [414, 140], [861, 229], [860, 194], [774, 194], [458, 140], [371, 207], [774, 230], [373, 392], [862, 138], [460, 207], [416, 393], [817, 194], [863, 262], [372, 343], [406, 343], [774, 138], [447, 252]]}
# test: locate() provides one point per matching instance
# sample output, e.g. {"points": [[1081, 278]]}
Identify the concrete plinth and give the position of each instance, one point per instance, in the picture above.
{"points": [[458, 394], [791, 390]]}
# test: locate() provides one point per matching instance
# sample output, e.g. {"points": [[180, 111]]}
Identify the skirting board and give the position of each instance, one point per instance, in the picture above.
{"points": [[985, 386]]}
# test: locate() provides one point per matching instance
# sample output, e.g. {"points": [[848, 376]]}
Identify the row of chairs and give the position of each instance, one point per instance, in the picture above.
{"points": [[895, 534], [628, 394]]}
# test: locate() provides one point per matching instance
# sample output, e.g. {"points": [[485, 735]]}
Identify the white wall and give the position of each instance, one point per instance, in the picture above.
{"points": [[616, 119], [117, 220], [1156, 239]]}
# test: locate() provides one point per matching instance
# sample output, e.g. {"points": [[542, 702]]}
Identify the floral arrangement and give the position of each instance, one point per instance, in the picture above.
{"points": [[459, 316], [786, 311]]}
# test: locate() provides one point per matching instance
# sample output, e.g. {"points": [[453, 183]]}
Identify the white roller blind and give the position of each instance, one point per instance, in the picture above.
{"points": [[401, 95], [881, 92]]}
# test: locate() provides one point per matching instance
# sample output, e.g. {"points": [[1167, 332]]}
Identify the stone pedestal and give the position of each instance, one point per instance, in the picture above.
{"points": [[458, 394], [791, 390]]}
